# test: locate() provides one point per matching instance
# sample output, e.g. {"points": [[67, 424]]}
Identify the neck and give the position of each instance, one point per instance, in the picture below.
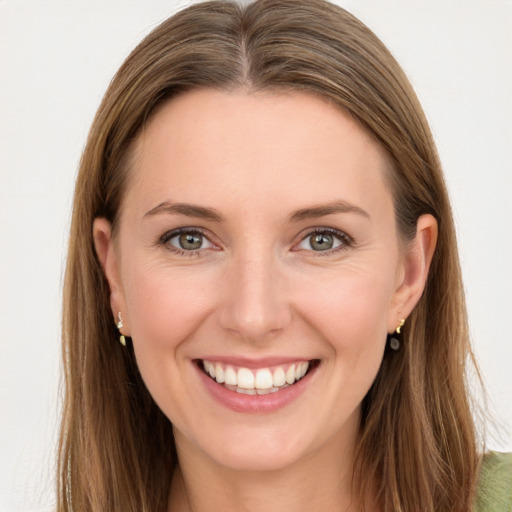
{"points": [[319, 481]]}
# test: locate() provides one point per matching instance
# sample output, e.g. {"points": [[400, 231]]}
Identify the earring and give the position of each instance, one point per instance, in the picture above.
{"points": [[394, 342], [119, 326]]}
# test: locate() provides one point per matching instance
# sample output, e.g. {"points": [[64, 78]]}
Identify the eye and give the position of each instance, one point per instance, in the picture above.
{"points": [[323, 240], [186, 240]]}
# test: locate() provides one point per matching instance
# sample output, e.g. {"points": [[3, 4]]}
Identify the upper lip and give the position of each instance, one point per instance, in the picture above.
{"points": [[252, 363]]}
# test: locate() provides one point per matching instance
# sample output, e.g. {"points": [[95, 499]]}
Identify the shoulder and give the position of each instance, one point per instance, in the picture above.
{"points": [[494, 492]]}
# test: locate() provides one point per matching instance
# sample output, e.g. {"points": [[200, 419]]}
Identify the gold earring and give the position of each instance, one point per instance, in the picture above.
{"points": [[394, 342], [119, 326]]}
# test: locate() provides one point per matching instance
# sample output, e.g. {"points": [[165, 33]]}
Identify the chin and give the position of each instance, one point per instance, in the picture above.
{"points": [[259, 456], [244, 447]]}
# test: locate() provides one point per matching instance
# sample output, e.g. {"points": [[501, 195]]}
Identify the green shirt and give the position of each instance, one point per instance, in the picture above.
{"points": [[494, 492]]}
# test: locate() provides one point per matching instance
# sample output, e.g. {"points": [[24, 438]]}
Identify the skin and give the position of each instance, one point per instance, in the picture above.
{"points": [[257, 288]]}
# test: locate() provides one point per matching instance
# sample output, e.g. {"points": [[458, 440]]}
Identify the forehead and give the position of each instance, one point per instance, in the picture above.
{"points": [[215, 145]]}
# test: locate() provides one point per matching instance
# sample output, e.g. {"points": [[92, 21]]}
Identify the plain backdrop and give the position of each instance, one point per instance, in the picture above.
{"points": [[56, 60]]}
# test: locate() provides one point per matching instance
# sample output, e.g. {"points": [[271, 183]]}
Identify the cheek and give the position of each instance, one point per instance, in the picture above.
{"points": [[164, 305], [350, 309], [165, 309], [346, 315]]}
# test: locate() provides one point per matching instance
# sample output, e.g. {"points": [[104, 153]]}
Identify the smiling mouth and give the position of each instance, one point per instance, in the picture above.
{"points": [[261, 381]]}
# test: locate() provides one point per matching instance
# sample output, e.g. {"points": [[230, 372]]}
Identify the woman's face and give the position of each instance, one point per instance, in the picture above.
{"points": [[257, 242]]}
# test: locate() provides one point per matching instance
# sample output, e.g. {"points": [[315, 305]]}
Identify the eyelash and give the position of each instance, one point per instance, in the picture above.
{"points": [[166, 237], [345, 241]]}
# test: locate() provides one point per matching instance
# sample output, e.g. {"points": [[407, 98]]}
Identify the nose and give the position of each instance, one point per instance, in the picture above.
{"points": [[255, 305]]}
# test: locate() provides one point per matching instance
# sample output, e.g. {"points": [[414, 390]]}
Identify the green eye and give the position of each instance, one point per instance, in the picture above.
{"points": [[190, 241], [325, 240], [321, 242], [186, 240]]}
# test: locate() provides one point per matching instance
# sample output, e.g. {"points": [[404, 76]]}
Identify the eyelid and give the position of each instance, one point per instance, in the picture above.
{"points": [[344, 238], [168, 235]]}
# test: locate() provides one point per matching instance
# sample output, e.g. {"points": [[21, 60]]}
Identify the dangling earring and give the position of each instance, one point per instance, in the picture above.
{"points": [[119, 326], [394, 342]]}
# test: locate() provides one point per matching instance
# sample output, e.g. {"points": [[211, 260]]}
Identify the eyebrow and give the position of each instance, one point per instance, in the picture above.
{"points": [[189, 210], [201, 212], [327, 209]]}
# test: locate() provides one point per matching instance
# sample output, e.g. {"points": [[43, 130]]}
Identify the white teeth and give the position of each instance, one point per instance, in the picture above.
{"points": [[230, 376], [290, 374], [279, 377], [273, 389], [245, 378], [245, 391], [263, 379], [219, 373]]}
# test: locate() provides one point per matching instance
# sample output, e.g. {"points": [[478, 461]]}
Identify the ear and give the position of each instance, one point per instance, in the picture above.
{"points": [[109, 260], [413, 277]]}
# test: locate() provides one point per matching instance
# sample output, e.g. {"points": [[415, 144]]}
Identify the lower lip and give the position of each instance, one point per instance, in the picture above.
{"points": [[255, 404]]}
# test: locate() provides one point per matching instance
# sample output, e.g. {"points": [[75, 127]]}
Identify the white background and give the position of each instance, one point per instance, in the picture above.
{"points": [[56, 60]]}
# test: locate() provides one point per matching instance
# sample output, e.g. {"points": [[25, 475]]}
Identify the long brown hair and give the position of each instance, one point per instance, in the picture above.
{"points": [[417, 434]]}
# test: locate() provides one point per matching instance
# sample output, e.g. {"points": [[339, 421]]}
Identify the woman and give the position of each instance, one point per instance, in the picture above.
{"points": [[263, 293]]}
